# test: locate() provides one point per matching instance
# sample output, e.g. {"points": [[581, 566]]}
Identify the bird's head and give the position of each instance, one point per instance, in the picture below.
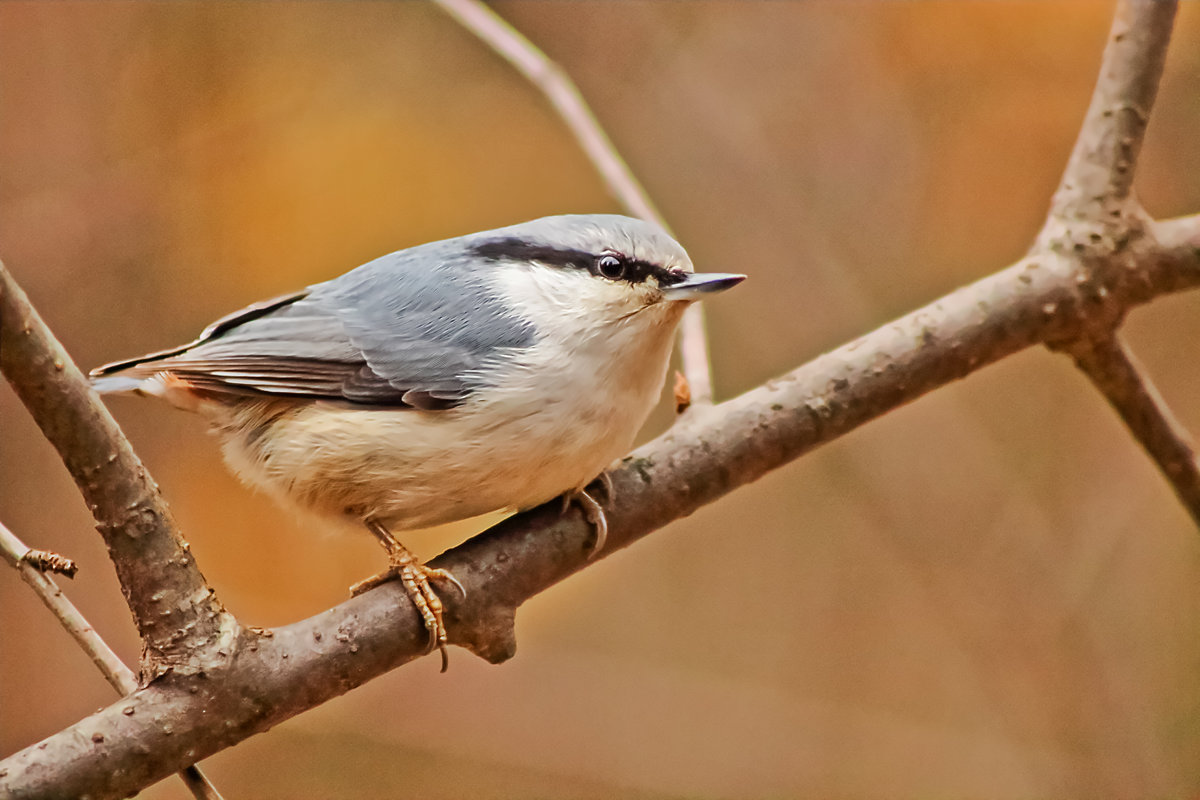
{"points": [[594, 272]]}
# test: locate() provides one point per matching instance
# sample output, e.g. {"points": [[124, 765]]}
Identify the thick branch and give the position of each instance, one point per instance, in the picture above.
{"points": [[1099, 174], [181, 718], [177, 615], [566, 99]]}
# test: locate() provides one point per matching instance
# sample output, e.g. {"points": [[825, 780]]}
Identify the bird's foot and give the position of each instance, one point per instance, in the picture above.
{"points": [[593, 512], [417, 578]]}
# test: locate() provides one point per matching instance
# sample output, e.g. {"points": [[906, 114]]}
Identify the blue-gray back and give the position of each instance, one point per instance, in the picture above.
{"points": [[411, 328]]}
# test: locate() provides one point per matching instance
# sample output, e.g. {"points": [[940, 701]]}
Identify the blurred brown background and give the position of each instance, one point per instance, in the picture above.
{"points": [[989, 593]]}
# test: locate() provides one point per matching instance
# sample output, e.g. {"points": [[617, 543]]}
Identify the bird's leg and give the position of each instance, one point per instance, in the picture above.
{"points": [[415, 578], [593, 512]]}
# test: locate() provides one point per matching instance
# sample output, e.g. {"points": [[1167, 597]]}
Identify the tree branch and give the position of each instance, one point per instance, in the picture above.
{"points": [[1116, 374], [1180, 233], [1096, 258], [119, 676], [1094, 207], [271, 677], [181, 623], [1099, 174], [565, 98]]}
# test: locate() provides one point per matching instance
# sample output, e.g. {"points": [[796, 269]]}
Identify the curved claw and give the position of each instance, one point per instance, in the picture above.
{"points": [[448, 577], [593, 512]]}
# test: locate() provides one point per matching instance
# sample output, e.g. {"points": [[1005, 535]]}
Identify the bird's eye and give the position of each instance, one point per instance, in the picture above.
{"points": [[610, 266]]}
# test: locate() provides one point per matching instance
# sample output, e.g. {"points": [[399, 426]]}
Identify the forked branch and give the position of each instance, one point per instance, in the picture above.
{"points": [[1095, 214], [179, 618], [119, 676]]}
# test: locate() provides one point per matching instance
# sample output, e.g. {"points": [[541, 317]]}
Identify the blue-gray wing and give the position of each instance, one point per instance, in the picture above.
{"points": [[410, 329]]}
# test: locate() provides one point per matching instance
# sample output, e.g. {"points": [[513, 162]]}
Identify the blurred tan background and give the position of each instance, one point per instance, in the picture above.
{"points": [[990, 593]]}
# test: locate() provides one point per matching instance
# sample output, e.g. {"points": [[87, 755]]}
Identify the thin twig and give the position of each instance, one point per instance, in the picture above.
{"points": [[1102, 163], [115, 672], [119, 676], [693, 356], [562, 93], [1117, 375], [566, 99]]}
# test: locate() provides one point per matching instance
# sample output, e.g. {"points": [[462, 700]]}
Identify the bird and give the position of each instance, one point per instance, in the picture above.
{"points": [[492, 371]]}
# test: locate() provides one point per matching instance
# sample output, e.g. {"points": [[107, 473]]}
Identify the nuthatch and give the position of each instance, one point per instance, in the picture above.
{"points": [[492, 371]]}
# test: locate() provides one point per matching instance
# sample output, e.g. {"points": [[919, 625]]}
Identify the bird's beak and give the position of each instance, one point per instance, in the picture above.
{"points": [[696, 285]]}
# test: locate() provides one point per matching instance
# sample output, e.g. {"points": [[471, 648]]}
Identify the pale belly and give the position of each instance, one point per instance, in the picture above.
{"points": [[414, 469]]}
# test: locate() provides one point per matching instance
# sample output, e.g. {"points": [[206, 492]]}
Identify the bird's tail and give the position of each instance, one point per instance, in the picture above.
{"points": [[130, 375], [116, 384], [135, 378]]}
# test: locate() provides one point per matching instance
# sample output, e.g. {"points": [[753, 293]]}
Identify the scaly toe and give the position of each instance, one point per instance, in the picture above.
{"points": [[429, 605], [367, 584]]}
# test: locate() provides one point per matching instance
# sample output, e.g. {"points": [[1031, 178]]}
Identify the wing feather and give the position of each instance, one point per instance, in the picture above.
{"points": [[394, 332]]}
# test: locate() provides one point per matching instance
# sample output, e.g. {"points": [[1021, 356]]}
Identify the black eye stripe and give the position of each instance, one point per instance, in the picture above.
{"points": [[635, 271], [521, 250]]}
